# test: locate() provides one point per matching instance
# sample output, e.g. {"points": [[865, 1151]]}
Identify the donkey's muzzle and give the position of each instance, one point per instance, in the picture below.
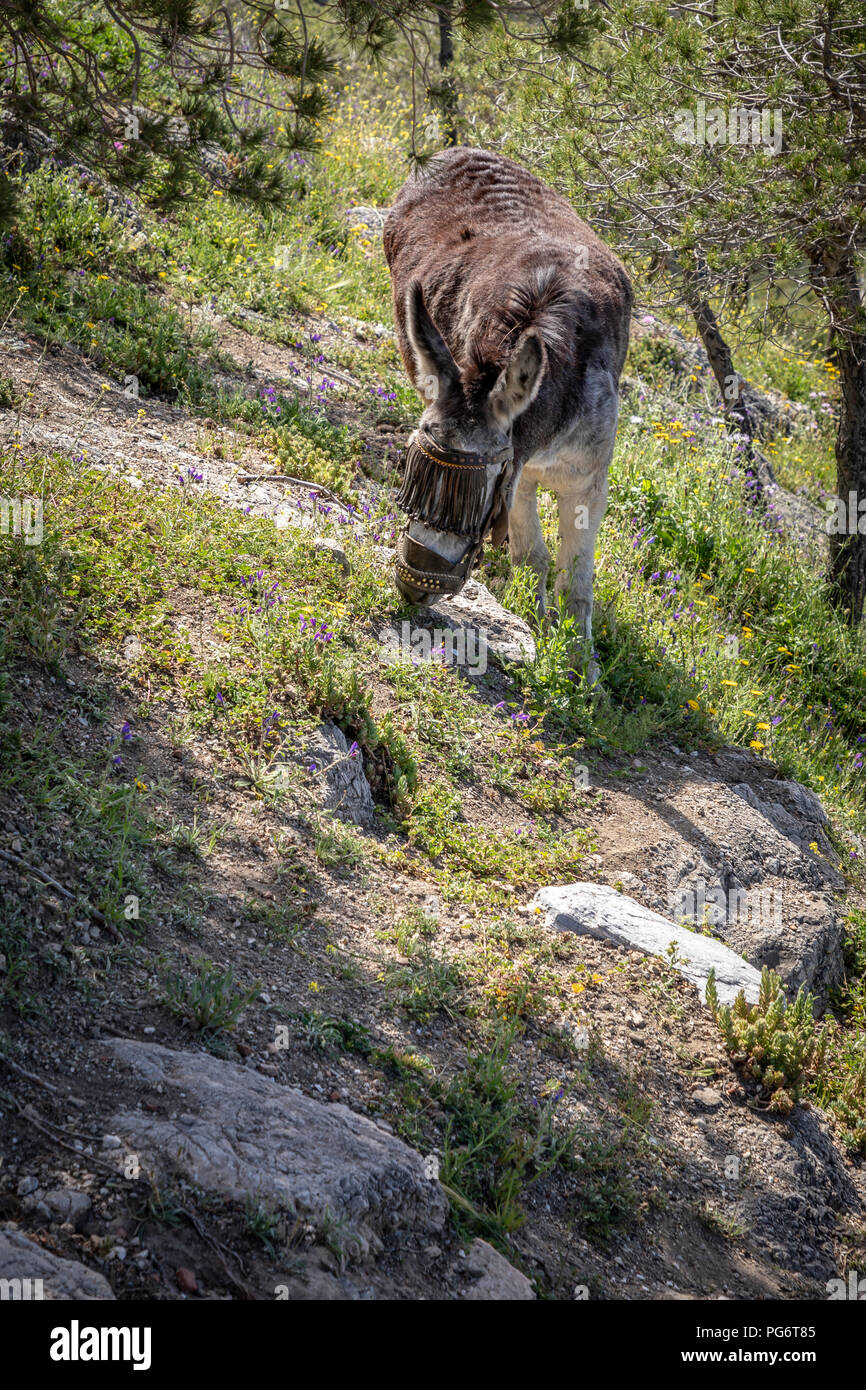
{"points": [[446, 490], [420, 574]]}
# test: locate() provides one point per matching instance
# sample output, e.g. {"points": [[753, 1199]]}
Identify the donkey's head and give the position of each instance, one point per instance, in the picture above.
{"points": [[460, 463]]}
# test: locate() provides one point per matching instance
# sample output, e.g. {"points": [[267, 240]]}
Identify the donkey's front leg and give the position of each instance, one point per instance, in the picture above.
{"points": [[525, 540], [581, 503]]}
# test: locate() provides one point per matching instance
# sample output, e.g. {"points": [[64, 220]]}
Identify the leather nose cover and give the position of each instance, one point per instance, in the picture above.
{"points": [[424, 569]]}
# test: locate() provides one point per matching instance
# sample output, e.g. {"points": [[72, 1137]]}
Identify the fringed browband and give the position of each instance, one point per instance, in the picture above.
{"points": [[446, 488]]}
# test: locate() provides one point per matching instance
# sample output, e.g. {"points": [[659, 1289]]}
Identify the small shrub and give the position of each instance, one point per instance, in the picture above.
{"points": [[337, 845], [325, 1034], [774, 1043], [211, 1001]]}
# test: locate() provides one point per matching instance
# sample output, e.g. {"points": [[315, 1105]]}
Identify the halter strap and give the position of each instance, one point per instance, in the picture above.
{"points": [[456, 458]]}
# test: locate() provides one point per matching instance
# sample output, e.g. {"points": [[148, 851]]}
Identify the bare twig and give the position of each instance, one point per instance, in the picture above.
{"points": [[28, 1075], [217, 1248], [50, 882], [296, 482], [53, 1133]]}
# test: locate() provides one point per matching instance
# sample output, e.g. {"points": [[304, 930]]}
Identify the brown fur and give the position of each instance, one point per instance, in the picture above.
{"points": [[494, 251], [512, 321]]}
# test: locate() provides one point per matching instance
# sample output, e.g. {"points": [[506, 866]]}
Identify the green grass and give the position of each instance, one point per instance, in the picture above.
{"points": [[497, 1147], [710, 625], [72, 274], [109, 836]]}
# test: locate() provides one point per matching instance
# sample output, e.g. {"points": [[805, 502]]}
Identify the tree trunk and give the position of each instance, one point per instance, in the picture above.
{"points": [[733, 402], [447, 94], [848, 540]]}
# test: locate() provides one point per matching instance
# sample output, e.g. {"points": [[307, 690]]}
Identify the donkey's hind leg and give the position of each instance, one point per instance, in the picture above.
{"points": [[525, 540]]}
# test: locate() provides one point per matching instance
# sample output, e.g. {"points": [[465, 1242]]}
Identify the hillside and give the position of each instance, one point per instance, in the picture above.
{"points": [[282, 1013]]}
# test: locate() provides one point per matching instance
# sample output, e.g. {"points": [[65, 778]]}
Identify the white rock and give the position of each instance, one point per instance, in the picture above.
{"points": [[592, 909], [504, 634]]}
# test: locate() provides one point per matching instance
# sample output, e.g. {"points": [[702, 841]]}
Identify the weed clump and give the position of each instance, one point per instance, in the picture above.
{"points": [[775, 1043]]}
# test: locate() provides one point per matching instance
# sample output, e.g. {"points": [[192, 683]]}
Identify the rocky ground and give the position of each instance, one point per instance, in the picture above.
{"points": [[138, 1164]]}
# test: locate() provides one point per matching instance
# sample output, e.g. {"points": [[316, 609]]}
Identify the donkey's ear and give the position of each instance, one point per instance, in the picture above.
{"points": [[518, 383], [436, 368]]}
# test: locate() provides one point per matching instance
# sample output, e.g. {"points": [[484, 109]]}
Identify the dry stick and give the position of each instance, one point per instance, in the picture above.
{"points": [[217, 1248], [39, 1122], [28, 1075], [284, 478], [58, 888], [332, 371]]}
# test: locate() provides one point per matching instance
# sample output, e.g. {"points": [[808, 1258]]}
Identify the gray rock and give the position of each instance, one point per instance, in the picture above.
{"points": [[27, 1185], [340, 780], [805, 802], [347, 791], [326, 545], [21, 1259], [241, 1133], [707, 1098], [752, 877], [504, 634], [593, 909], [65, 1204], [804, 823], [495, 1278]]}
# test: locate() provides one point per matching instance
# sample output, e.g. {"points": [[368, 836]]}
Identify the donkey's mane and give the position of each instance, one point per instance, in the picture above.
{"points": [[547, 300]]}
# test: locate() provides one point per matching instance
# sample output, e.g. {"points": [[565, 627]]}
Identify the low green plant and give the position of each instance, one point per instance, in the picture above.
{"points": [[325, 1034], [337, 845], [775, 1043], [495, 1146], [9, 396], [211, 1001], [262, 1223], [426, 986]]}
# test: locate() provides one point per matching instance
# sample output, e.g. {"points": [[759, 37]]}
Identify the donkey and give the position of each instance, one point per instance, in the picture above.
{"points": [[512, 321]]}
